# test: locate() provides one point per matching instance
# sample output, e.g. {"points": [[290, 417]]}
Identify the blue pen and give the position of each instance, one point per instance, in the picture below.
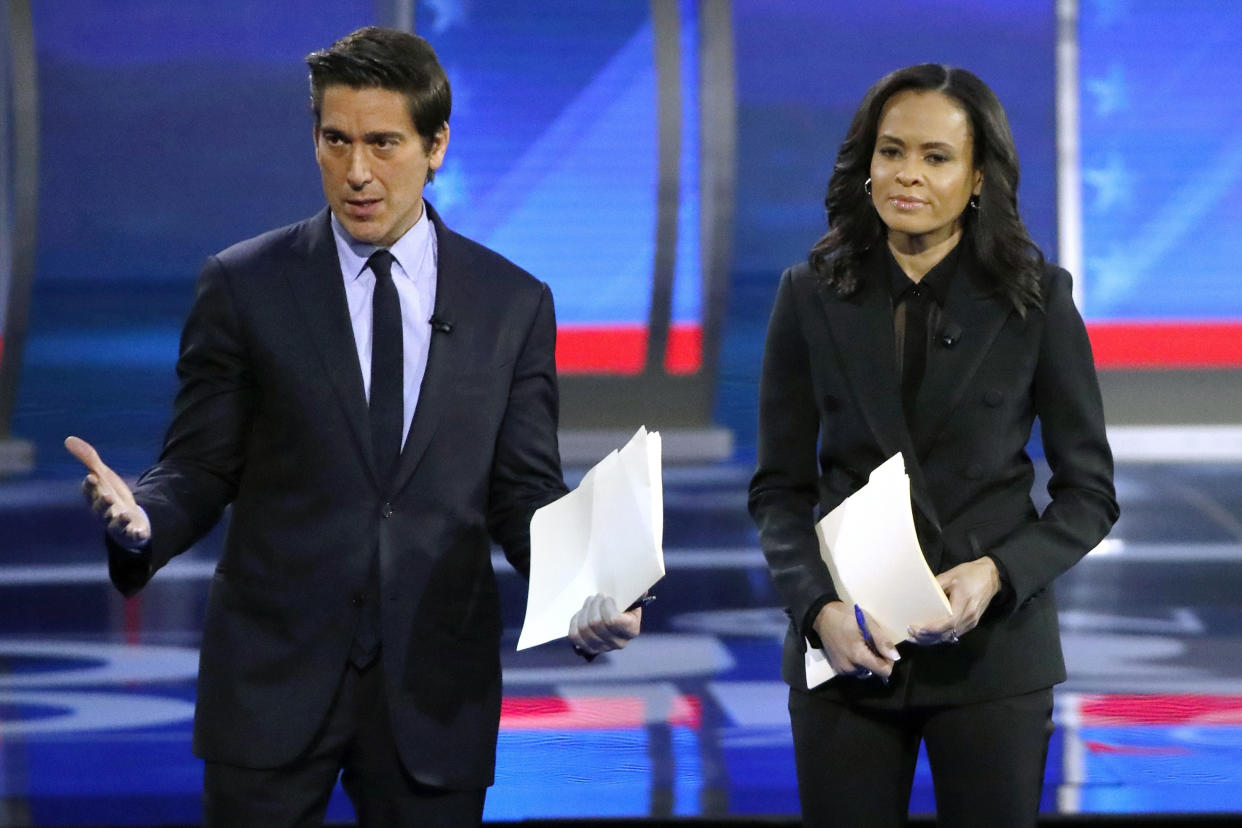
{"points": [[862, 627], [866, 634]]}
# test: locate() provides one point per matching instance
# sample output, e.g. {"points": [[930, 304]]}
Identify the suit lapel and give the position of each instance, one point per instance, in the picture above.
{"points": [[448, 352], [861, 327], [980, 312], [319, 290]]}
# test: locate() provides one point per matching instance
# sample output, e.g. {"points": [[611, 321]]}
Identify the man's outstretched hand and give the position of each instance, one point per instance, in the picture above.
{"points": [[599, 626], [110, 498]]}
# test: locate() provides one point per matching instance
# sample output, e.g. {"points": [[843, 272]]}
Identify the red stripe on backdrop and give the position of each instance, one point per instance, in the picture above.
{"points": [[601, 349], [593, 712], [684, 354], [1160, 709], [622, 349], [1166, 344], [132, 622]]}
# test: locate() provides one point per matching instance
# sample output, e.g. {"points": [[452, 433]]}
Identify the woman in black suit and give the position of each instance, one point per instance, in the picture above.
{"points": [[926, 322]]}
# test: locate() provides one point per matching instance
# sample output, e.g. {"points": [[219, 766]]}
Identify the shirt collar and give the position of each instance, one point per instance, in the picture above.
{"points": [[407, 250], [936, 280]]}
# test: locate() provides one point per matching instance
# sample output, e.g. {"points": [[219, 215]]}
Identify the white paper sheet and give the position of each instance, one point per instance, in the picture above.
{"points": [[873, 554], [606, 536]]}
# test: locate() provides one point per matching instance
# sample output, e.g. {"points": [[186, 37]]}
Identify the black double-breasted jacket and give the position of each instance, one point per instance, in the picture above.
{"points": [[830, 412]]}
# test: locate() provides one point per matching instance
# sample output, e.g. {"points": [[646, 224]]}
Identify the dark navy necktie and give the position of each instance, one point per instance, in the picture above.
{"points": [[387, 387], [387, 396]]}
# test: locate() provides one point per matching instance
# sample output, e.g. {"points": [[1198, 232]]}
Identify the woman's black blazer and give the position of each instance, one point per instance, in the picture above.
{"points": [[830, 412]]}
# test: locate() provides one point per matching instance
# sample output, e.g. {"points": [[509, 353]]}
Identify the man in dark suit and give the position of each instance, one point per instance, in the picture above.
{"points": [[375, 395]]}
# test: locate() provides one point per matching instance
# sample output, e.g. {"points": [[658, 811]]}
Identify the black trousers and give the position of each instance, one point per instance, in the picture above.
{"points": [[355, 743], [856, 765]]}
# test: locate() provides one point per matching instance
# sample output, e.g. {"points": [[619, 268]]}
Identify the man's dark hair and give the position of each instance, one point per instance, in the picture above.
{"points": [[374, 57], [995, 230]]}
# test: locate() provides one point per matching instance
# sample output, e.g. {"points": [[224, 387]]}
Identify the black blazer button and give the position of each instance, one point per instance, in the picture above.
{"points": [[386, 511], [993, 398], [974, 471], [357, 600]]}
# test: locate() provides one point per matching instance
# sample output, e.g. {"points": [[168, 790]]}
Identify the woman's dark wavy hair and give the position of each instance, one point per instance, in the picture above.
{"points": [[995, 229]]}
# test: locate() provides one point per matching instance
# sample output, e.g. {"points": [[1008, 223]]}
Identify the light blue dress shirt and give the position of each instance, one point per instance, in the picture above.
{"points": [[414, 274]]}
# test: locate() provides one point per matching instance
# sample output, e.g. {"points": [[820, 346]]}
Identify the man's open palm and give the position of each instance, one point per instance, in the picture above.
{"points": [[109, 496]]}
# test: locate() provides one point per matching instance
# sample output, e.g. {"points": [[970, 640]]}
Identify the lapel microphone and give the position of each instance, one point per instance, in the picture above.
{"points": [[440, 325], [950, 334]]}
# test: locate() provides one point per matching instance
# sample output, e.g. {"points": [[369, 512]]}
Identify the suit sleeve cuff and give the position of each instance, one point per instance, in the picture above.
{"points": [[1005, 596], [808, 621]]}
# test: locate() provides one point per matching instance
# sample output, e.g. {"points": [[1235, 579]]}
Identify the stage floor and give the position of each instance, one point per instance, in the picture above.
{"points": [[96, 692]]}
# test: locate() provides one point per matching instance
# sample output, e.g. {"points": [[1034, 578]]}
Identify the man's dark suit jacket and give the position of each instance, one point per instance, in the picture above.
{"points": [[271, 417], [830, 412]]}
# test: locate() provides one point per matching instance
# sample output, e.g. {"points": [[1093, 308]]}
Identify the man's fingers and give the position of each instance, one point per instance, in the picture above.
{"points": [[100, 498], [595, 613], [577, 628], [100, 475], [616, 621], [85, 452], [583, 626], [599, 626]]}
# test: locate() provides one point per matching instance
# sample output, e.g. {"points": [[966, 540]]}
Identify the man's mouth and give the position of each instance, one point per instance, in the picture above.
{"points": [[363, 207]]}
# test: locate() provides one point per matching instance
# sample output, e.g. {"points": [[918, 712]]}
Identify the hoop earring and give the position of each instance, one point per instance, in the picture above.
{"points": [[867, 186], [974, 202]]}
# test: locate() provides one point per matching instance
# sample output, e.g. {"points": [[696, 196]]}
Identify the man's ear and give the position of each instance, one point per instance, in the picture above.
{"points": [[439, 145]]}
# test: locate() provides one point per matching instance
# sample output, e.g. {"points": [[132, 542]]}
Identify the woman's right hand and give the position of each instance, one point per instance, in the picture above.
{"points": [[845, 647]]}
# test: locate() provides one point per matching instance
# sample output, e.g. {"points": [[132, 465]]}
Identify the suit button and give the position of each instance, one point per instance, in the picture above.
{"points": [[993, 398], [974, 471], [386, 510], [357, 600]]}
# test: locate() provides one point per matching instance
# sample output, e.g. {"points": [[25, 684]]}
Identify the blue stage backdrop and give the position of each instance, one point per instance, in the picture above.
{"points": [[802, 69], [172, 130], [1161, 138]]}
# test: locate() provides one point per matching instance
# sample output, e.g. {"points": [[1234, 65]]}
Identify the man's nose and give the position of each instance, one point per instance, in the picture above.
{"points": [[359, 172]]}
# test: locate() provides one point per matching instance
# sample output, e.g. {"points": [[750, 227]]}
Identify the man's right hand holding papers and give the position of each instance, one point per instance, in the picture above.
{"points": [[600, 626], [600, 547]]}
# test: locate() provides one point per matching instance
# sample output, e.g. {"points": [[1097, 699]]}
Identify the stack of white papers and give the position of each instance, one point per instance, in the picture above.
{"points": [[874, 557], [606, 536]]}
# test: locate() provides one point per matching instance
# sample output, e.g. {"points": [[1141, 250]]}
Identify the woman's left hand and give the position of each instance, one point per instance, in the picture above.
{"points": [[970, 587]]}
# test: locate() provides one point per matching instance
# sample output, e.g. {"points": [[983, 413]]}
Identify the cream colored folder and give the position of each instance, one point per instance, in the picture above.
{"points": [[872, 552]]}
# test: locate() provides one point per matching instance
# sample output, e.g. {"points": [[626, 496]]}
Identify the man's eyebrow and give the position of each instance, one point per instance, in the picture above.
{"points": [[372, 137]]}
